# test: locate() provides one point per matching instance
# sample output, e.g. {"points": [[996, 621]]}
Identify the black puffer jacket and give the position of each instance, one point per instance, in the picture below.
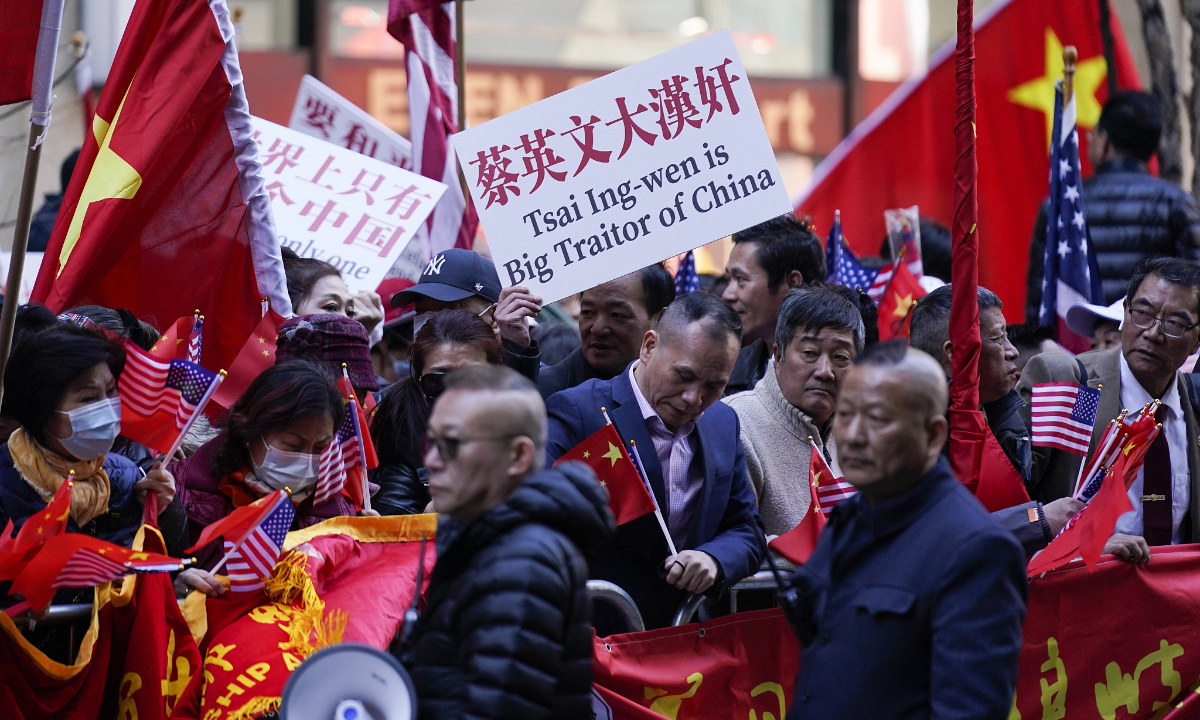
{"points": [[506, 631], [1131, 215]]}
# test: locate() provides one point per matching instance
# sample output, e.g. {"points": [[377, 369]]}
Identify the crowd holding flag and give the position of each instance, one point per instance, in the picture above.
{"points": [[251, 561], [1070, 274], [160, 400], [605, 454], [826, 491], [1062, 416]]}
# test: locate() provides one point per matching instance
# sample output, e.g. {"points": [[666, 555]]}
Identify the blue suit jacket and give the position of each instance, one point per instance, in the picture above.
{"points": [[725, 522]]}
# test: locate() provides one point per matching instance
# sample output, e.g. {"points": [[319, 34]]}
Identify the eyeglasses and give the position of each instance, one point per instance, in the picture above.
{"points": [[432, 384], [448, 447], [1145, 320]]}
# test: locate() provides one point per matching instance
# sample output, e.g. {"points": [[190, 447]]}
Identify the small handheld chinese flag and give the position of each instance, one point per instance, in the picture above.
{"points": [[604, 453], [798, 543], [895, 310]]}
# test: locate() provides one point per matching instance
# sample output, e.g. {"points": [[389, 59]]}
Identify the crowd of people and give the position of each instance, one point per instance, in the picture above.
{"points": [[914, 590]]}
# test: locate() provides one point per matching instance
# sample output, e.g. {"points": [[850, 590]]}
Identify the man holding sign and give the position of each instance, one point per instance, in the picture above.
{"points": [[692, 455]]}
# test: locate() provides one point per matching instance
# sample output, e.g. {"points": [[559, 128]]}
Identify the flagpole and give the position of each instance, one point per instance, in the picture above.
{"points": [[195, 414], [362, 448], [39, 121], [221, 563], [460, 77], [657, 510], [1070, 56]]}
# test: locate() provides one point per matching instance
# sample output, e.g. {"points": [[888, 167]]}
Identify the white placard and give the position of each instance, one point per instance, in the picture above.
{"points": [[350, 210], [29, 273], [321, 113], [624, 171]]}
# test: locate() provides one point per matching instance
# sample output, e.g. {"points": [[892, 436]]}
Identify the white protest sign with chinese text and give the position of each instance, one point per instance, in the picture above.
{"points": [[321, 113], [631, 168], [332, 204]]}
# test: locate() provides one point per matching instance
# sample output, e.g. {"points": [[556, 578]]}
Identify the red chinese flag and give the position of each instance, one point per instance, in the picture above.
{"points": [[604, 453], [19, 23], [166, 211], [904, 153], [38, 528], [798, 543], [895, 309], [237, 525], [257, 354]]}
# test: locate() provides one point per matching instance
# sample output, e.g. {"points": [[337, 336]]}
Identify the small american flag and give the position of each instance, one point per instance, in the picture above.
{"points": [[686, 279], [340, 456], [843, 265], [147, 385], [193, 350], [880, 283], [1063, 415], [88, 568], [252, 562], [830, 490]]}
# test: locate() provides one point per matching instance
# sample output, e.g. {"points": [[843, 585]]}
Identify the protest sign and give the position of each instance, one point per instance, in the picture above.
{"points": [[321, 113], [631, 168], [330, 203]]}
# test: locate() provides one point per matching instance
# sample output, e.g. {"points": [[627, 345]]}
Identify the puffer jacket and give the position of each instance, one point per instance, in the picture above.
{"points": [[1131, 215], [506, 631]]}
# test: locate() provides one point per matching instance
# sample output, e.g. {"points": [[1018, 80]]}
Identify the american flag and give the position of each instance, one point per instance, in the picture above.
{"points": [[88, 568], [1063, 415], [193, 349], [149, 386], [686, 279], [427, 30], [1070, 275], [830, 490], [842, 264], [251, 562], [880, 283], [342, 457]]}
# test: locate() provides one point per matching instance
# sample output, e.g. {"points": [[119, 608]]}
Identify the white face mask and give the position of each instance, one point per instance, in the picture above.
{"points": [[281, 469], [94, 428]]}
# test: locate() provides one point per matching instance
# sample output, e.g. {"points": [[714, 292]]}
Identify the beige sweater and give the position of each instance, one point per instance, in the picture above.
{"points": [[775, 436]]}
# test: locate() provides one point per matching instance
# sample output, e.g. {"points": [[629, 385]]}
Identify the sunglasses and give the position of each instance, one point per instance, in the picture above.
{"points": [[432, 384], [448, 447]]}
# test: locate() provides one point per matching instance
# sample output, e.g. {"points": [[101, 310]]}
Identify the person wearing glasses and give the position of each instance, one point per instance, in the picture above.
{"points": [[506, 628], [449, 340], [1160, 329]]}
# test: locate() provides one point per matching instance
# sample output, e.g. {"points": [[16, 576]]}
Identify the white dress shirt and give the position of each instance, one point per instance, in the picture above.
{"points": [[1133, 398]]}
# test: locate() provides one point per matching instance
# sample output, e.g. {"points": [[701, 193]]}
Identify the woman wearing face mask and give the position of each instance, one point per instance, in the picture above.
{"points": [[315, 286], [449, 340], [60, 384], [271, 439]]}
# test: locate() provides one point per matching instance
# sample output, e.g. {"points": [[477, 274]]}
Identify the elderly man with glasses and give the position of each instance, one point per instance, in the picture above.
{"points": [[1161, 329]]}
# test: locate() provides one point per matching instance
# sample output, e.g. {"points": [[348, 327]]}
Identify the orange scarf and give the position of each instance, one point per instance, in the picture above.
{"points": [[45, 471]]}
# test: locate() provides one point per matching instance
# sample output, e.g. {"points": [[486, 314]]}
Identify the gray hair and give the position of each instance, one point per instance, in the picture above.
{"points": [[816, 308]]}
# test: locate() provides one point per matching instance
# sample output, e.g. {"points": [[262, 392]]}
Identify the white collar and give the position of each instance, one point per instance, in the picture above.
{"points": [[1135, 397]]}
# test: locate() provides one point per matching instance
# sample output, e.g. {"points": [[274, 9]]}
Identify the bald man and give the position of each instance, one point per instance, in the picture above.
{"points": [[506, 631], [912, 603]]}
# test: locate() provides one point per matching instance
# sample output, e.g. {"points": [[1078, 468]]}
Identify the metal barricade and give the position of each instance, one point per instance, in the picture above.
{"points": [[607, 592]]}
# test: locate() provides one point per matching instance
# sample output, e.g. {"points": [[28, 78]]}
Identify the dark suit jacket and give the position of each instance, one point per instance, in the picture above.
{"points": [[911, 608], [573, 370], [726, 523], [1054, 471]]}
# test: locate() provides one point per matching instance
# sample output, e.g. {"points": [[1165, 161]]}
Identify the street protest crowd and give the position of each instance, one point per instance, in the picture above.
{"points": [[757, 410]]}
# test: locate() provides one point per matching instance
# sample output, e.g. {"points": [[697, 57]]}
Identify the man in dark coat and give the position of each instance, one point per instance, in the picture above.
{"points": [[1131, 214], [692, 452], [613, 319], [912, 604], [767, 261], [506, 629]]}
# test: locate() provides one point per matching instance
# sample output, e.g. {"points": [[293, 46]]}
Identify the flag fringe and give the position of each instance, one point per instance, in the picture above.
{"points": [[255, 708], [309, 629]]}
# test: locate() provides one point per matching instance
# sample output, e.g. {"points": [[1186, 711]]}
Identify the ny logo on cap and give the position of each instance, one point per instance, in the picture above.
{"points": [[478, 287], [435, 265]]}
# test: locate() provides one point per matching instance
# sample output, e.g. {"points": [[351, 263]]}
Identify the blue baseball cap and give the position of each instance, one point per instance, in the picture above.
{"points": [[454, 275]]}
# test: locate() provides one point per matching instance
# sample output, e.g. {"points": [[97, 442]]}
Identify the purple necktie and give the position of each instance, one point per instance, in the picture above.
{"points": [[1156, 488]]}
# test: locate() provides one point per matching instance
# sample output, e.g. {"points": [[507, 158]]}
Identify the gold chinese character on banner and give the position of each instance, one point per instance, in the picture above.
{"points": [[1122, 689]]}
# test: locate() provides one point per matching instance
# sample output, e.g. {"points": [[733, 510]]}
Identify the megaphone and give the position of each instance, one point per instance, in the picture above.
{"points": [[349, 682]]}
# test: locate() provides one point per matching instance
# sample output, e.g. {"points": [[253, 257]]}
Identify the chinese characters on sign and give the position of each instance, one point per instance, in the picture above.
{"points": [[340, 206], [321, 113], [650, 149]]}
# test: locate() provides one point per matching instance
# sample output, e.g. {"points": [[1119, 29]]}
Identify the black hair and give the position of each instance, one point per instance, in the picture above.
{"points": [[303, 273], [1133, 122], [121, 323], [697, 306], [285, 392], [866, 307], [936, 249], [888, 352], [67, 169], [43, 364], [785, 243], [1029, 336], [1177, 271], [930, 327], [31, 318], [658, 288], [816, 308], [556, 340]]}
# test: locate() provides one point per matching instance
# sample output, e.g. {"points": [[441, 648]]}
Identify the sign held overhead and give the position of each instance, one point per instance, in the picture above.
{"points": [[631, 168]]}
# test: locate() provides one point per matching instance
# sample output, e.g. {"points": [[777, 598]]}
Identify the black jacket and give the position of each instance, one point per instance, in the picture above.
{"points": [[525, 360], [750, 367], [573, 370], [1131, 215], [506, 631]]}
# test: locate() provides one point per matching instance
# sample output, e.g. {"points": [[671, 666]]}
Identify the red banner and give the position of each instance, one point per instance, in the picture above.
{"points": [[1120, 642]]}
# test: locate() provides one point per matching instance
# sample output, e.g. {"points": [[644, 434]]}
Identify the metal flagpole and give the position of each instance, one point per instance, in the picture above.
{"points": [[460, 76], [39, 120]]}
